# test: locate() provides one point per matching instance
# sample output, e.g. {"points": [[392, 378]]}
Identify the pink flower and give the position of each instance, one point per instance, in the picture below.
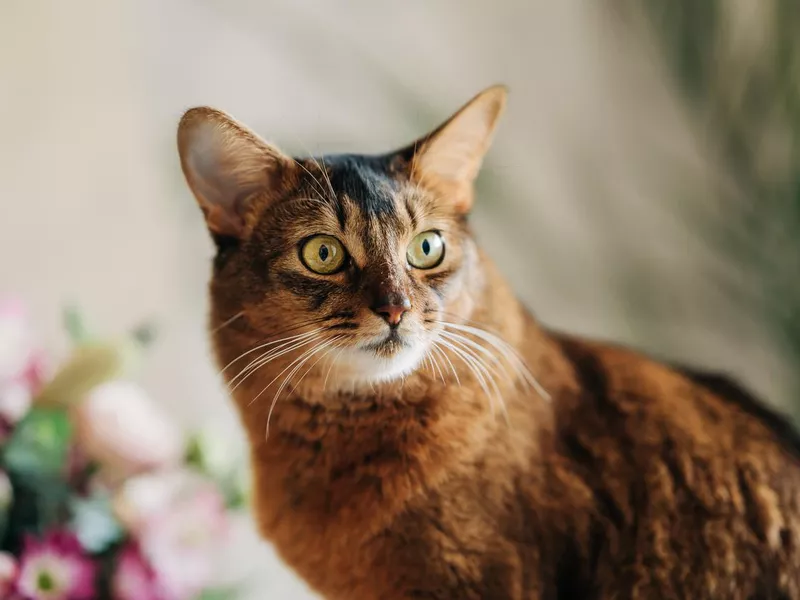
{"points": [[123, 430], [36, 371], [180, 522], [182, 543], [22, 366], [16, 341], [55, 568], [134, 578], [8, 574]]}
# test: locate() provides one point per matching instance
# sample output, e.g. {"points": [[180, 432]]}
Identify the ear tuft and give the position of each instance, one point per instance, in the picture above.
{"points": [[226, 165], [449, 159]]}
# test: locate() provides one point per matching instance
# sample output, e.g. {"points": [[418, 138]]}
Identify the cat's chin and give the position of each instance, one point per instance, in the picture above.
{"points": [[371, 365]]}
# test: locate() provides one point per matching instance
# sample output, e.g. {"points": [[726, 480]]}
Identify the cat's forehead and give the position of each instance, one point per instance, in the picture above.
{"points": [[370, 184], [369, 194], [367, 183]]}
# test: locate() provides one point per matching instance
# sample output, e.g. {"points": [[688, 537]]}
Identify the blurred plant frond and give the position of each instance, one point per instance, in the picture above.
{"points": [[736, 65]]}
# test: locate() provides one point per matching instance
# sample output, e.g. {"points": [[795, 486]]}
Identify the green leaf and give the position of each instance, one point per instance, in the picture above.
{"points": [[40, 443], [75, 325], [94, 523], [235, 488], [40, 503], [6, 500], [220, 593]]}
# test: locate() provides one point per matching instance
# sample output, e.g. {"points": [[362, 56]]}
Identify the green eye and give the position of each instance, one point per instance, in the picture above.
{"points": [[323, 254], [426, 250]]}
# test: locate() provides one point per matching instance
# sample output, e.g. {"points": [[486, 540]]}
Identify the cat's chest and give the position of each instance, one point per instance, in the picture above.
{"points": [[456, 534]]}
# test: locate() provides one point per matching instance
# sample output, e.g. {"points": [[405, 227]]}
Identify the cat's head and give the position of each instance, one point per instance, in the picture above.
{"points": [[353, 258]]}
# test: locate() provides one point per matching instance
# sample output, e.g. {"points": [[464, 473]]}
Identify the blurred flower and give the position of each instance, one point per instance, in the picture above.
{"points": [[180, 521], [8, 574], [16, 342], [90, 365], [15, 401], [142, 497], [22, 366], [55, 568], [183, 541], [36, 371], [134, 578], [121, 428]]}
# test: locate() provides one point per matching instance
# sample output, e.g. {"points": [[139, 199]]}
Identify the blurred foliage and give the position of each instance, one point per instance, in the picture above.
{"points": [[737, 66]]}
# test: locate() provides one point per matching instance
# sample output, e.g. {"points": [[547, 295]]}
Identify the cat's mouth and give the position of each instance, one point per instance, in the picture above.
{"points": [[389, 345]]}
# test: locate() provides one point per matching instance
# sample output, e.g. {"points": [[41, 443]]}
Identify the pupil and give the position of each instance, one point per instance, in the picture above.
{"points": [[426, 246], [323, 253]]}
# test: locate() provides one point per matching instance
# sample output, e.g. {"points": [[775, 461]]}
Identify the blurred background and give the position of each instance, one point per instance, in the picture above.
{"points": [[644, 186]]}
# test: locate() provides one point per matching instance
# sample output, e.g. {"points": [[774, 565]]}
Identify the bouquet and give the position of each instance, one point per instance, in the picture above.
{"points": [[101, 495]]}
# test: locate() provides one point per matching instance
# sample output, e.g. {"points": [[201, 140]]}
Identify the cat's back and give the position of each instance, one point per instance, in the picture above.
{"points": [[694, 483]]}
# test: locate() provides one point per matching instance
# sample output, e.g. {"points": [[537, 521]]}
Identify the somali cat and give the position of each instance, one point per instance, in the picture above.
{"points": [[415, 433]]}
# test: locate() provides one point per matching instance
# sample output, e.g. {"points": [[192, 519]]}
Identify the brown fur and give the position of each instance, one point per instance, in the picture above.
{"points": [[633, 480]]}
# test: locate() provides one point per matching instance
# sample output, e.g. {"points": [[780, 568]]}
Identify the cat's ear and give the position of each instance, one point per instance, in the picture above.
{"points": [[226, 166], [448, 159]]}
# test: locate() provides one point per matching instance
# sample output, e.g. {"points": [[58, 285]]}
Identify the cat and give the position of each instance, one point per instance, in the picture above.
{"points": [[414, 432]]}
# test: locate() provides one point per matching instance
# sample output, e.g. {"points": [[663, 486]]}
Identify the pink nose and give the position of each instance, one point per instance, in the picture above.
{"points": [[392, 308]]}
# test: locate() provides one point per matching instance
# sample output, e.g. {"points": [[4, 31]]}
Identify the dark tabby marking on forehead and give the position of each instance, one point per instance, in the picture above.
{"points": [[365, 180], [382, 467]]}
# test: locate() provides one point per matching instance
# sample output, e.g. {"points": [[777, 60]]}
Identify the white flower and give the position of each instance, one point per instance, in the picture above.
{"points": [[121, 428], [143, 496], [15, 401]]}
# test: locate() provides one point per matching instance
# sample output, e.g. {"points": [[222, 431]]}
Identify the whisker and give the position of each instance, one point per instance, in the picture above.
{"points": [[313, 177], [320, 188], [333, 362], [470, 363], [484, 368], [268, 343], [307, 355], [314, 364], [427, 363], [472, 344], [436, 365], [224, 324], [269, 356], [278, 344], [508, 351], [324, 170], [450, 362]]}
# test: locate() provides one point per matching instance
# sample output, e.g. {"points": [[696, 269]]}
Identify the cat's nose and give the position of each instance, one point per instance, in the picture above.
{"points": [[392, 307]]}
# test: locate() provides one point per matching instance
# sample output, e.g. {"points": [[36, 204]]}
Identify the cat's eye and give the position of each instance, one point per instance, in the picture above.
{"points": [[426, 250], [323, 254]]}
